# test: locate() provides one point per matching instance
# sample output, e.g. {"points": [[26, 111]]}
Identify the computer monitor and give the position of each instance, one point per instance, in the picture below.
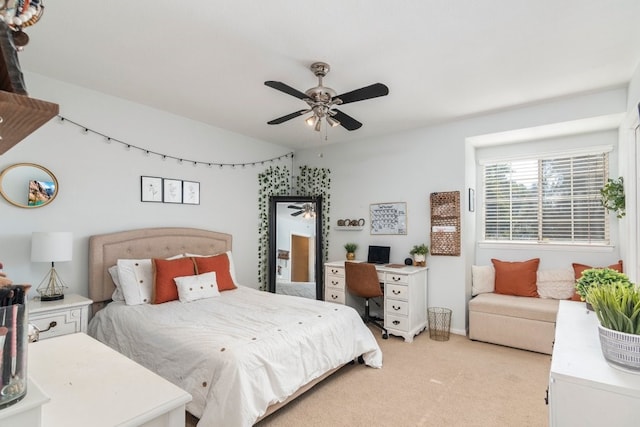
{"points": [[378, 254]]}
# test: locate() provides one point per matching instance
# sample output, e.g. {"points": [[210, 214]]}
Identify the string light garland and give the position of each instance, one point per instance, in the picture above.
{"points": [[182, 161]]}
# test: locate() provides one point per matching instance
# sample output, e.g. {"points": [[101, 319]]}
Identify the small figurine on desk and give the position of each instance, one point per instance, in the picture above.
{"points": [[4, 280]]}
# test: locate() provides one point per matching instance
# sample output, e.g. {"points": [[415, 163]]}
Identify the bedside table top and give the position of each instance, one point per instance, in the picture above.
{"points": [[69, 301]]}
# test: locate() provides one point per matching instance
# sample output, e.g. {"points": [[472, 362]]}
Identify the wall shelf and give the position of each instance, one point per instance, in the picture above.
{"points": [[348, 228]]}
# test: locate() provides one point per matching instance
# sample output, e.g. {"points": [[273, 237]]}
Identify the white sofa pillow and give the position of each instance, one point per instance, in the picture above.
{"points": [[191, 288], [483, 279], [556, 284]]}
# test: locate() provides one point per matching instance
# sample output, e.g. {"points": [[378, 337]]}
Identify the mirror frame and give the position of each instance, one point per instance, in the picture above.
{"points": [[20, 205], [273, 209]]}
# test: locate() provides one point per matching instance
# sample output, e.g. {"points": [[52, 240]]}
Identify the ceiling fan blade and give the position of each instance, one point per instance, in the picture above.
{"points": [[346, 121], [294, 207], [287, 117], [297, 213], [286, 89], [373, 91]]}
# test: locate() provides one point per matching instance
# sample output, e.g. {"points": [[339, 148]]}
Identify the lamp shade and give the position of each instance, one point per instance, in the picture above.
{"points": [[51, 246]]}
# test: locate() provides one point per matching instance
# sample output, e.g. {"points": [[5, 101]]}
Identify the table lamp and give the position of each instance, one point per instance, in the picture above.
{"points": [[51, 247]]}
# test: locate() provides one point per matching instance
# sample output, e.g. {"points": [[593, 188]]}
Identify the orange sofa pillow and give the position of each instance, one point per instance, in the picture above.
{"points": [[579, 268], [516, 278], [164, 271], [221, 265]]}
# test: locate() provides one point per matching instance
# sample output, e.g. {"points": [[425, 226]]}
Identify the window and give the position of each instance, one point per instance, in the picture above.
{"points": [[546, 199]]}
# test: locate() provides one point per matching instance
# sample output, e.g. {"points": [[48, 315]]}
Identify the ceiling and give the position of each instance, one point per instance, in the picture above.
{"points": [[441, 59]]}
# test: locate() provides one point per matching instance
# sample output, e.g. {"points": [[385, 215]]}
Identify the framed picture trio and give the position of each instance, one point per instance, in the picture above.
{"points": [[166, 190]]}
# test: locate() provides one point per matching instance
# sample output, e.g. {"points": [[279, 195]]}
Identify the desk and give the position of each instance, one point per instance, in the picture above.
{"points": [[91, 384], [405, 296]]}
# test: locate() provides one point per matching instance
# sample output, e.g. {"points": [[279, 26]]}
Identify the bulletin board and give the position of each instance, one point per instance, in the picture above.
{"points": [[388, 218], [445, 223]]}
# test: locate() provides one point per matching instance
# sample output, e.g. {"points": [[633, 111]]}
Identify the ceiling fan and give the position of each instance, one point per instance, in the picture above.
{"points": [[322, 100], [306, 209]]}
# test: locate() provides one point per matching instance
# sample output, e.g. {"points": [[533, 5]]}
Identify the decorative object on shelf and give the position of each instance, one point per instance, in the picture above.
{"points": [[351, 250], [408, 261], [28, 185], [51, 247], [419, 253], [388, 218], [613, 198], [19, 15], [617, 306], [351, 222], [594, 277], [445, 223]]}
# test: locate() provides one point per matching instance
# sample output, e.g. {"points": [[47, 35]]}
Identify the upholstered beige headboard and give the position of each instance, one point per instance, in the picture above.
{"points": [[106, 249]]}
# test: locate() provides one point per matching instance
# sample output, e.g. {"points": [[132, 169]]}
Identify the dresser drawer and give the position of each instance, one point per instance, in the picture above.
{"points": [[395, 306], [66, 322], [335, 271], [335, 282], [396, 278], [334, 295], [396, 322], [399, 292]]}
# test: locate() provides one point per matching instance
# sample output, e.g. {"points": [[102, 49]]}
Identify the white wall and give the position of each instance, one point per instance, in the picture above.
{"points": [[409, 166], [99, 183]]}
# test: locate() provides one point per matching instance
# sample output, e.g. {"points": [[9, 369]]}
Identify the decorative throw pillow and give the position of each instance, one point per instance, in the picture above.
{"points": [[221, 264], [232, 268], [164, 271], [191, 288], [516, 278], [136, 280], [484, 277], [579, 268], [556, 284], [117, 294]]}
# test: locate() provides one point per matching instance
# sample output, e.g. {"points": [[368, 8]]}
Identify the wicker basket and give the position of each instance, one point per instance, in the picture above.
{"points": [[620, 349]]}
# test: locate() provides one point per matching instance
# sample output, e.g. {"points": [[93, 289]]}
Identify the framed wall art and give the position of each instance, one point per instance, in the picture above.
{"points": [[190, 193], [172, 190], [150, 189], [388, 218]]}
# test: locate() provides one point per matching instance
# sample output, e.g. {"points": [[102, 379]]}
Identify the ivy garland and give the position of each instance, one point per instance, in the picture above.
{"points": [[275, 181]]}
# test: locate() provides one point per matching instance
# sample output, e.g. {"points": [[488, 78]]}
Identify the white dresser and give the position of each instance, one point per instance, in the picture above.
{"points": [[405, 296], [584, 390]]}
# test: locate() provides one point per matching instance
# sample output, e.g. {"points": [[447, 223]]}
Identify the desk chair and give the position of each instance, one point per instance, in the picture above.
{"points": [[362, 280]]}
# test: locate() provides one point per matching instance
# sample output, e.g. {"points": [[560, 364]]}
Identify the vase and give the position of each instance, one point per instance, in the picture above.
{"points": [[620, 350], [420, 260], [351, 256]]}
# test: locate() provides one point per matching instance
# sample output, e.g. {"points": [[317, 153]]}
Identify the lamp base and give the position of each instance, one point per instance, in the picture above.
{"points": [[51, 297]]}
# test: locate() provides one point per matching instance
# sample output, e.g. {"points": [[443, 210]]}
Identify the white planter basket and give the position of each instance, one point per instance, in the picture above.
{"points": [[620, 349]]}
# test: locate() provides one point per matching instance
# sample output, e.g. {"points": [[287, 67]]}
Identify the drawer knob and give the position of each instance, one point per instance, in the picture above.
{"points": [[334, 282], [396, 278], [334, 271], [53, 324], [395, 307], [396, 322], [396, 292], [334, 296]]}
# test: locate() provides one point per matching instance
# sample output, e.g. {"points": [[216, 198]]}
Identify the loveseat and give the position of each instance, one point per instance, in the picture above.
{"points": [[515, 304]]}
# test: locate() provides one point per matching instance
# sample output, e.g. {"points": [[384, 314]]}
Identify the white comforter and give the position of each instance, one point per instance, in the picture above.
{"points": [[240, 352]]}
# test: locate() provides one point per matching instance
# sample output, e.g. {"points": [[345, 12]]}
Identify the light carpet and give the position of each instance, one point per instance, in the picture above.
{"points": [[458, 382]]}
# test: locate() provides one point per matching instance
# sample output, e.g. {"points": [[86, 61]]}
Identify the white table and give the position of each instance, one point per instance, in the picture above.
{"points": [[584, 390], [92, 385]]}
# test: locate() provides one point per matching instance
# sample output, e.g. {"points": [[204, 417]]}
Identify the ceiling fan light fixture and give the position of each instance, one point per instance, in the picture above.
{"points": [[312, 121], [317, 126], [333, 122]]}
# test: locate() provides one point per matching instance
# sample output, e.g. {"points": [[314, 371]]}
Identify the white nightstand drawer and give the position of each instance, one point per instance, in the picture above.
{"points": [[335, 282], [395, 306], [66, 322], [335, 271], [400, 292], [396, 322], [334, 295]]}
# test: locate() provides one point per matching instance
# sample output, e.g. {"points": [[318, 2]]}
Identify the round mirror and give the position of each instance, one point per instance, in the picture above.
{"points": [[28, 185]]}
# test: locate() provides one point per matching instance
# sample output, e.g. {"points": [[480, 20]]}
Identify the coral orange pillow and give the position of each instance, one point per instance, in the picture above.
{"points": [[221, 265], [579, 268], [164, 271], [516, 278]]}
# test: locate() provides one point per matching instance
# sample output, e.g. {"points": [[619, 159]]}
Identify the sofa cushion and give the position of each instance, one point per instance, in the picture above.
{"points": [[483, 279], [579, 268], [557, 284], [515, 306], [516, 278]]}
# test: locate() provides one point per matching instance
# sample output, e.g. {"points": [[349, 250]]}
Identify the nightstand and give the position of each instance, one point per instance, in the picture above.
{"points": [[60, 317]]}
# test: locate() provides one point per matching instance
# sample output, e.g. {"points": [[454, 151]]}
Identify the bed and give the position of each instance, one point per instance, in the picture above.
{"points": [[242, 354], [298, 289]]}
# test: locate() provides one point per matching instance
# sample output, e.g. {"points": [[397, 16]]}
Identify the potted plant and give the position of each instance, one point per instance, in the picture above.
{"points": [[596, 277], [419, 253], [617, 306], [351, 250], [613, 196]]}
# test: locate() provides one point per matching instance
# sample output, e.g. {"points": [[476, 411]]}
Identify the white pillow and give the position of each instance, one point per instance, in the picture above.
{"points": [[556, 284], [117, 293], [191, 288], [136, 280], [483, 279]]}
